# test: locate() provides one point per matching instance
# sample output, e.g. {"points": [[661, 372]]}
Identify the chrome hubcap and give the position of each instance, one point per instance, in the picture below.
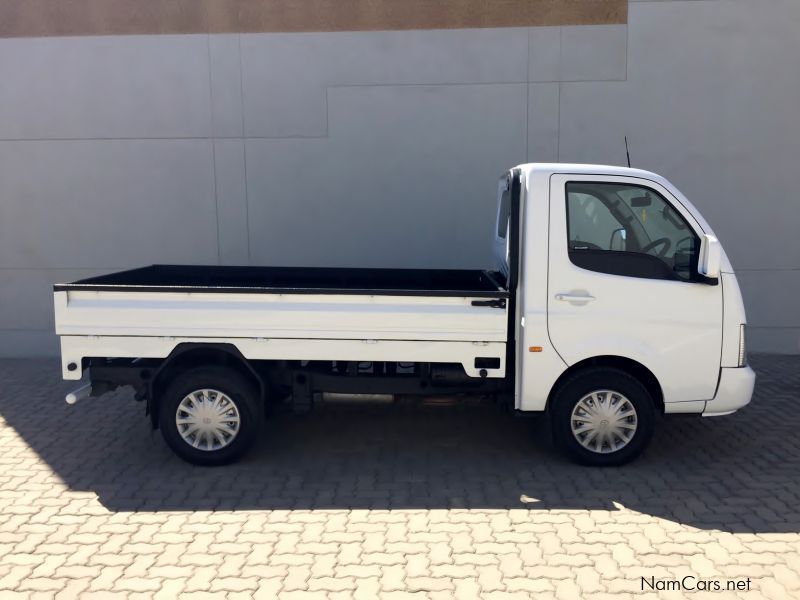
{"points": [[207, 420], [604, 421]]}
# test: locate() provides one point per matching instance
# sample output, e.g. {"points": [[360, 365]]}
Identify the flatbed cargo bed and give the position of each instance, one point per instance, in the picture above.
{"points": [[297, 280], [415, 315]]}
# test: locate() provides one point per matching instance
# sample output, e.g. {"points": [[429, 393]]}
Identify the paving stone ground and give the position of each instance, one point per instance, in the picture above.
{"points": [[407, 501]]}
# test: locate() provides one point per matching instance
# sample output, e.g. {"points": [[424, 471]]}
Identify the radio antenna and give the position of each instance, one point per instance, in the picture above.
{"points": [[628, 154]]}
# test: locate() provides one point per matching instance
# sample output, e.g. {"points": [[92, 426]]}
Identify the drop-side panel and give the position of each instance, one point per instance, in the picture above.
{"points": [[292, 316]]}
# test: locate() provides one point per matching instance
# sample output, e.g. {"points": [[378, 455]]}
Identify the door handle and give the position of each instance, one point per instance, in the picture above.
{"points": [[492, 303], [575, 298]]}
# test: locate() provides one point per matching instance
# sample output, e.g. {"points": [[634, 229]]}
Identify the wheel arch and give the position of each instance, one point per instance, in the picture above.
{"points": [[189, 355], [633, 368]]}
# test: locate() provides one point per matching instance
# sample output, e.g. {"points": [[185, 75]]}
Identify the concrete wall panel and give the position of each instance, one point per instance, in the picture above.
{"points": [[104, 87], [406, 179], [226, 85], [767, 306], [543, 114], [16, 343], [779, 340], [231, 189], [286, 76], [544, 54], [106, 204], [593, 53]]}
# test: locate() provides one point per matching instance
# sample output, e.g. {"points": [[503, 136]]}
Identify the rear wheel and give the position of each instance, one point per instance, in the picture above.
{"points": [[602, 417], [210, 415]]}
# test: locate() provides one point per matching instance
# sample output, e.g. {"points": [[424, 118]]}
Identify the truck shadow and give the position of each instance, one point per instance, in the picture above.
{"points": [[738, 474]]}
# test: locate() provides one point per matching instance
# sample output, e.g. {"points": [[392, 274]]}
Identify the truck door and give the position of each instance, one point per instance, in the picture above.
{"points": [[623, 281]]}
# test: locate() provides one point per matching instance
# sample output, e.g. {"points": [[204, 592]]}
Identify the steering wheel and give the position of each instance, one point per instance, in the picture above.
{"points": [[666, 244]]}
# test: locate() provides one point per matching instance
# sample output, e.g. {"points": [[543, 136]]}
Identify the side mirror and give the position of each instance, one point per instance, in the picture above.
{"points": [[710, 257], [618, 240]]}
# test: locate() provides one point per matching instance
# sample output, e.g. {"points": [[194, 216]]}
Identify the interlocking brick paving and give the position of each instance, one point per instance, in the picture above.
{"points": [[402, 501]]}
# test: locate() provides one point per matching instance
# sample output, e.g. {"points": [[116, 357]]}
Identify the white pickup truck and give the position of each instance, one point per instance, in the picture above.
{"points": [[611, 303]]}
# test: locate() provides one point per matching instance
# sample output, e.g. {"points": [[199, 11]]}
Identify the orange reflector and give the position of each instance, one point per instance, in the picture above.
{"points": [[535, 349]]}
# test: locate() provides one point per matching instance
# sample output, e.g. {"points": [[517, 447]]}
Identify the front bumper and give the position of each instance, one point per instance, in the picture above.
{"points": [[734, 391]]}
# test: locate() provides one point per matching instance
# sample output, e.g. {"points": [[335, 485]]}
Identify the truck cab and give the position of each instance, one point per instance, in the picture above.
{"points": [[611, 302], [621, 281]]}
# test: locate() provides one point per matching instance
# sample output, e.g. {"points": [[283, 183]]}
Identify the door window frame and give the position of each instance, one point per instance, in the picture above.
{"points": [[647, 185]]}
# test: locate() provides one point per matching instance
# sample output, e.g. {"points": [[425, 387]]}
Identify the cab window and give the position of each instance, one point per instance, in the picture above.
{"points": [[503, 213], [629, 230]]}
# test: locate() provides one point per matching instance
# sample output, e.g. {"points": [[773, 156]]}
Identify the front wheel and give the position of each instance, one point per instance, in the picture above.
{"points": [[209, 415], [602, 417]]}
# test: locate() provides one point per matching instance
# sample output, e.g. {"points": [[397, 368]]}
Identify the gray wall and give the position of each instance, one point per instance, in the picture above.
{"points": [[383, 148]]}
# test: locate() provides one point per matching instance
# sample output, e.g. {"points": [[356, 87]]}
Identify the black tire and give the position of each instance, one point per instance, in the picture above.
{"points": [[243, 394], [585, 382]]}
